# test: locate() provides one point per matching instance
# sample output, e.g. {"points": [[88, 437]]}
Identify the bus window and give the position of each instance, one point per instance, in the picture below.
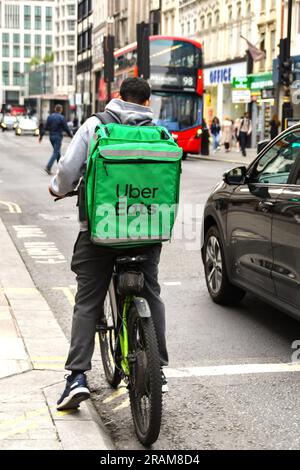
{"points": [[168, 53]]}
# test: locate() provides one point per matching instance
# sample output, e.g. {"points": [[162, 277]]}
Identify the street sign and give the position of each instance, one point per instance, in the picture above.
{"points": [[241, 83], [241, 96]]}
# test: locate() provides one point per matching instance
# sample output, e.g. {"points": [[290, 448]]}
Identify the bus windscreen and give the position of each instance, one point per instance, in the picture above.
{"points": [[174, 53]]}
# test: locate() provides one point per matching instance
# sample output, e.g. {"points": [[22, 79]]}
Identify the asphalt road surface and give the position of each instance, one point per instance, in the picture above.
{"points": [[208, 407]]}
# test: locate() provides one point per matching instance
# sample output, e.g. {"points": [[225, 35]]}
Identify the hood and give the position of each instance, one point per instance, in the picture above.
{"points": [[129, 113]]}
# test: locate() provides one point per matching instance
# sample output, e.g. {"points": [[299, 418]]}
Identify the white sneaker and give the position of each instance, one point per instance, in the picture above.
{"points": [[164, 387]]}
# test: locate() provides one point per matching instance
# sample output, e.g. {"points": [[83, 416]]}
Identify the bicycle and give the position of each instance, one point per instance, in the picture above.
{"points": [[128, 344], [129, 347]]}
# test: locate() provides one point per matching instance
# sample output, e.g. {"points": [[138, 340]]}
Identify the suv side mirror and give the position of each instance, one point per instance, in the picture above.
{"points": [[235, 176], [262, 144]]}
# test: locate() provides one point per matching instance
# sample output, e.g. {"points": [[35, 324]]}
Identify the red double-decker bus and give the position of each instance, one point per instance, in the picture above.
{"points": [[176, 79]]}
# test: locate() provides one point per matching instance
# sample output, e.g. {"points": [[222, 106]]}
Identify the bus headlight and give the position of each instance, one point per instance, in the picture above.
{"points": [[198, 134]]}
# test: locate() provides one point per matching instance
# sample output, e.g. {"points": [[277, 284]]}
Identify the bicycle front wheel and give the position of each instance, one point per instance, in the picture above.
{"points": [[145, 381], [110, 346]]}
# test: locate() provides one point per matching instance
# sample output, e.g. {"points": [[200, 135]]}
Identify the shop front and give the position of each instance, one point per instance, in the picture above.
{"points": [[263, 105], [218, 91]]}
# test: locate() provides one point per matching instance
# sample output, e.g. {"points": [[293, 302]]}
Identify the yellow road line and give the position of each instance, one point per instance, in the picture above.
{"points": [[13, 208], [123, 405], [118, 393], [68, 293]]}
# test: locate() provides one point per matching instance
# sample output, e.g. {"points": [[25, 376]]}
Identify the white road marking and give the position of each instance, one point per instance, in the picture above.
{"points": [[58, 217], [172, 283], [234, 369], [44, 252], [29, 231], [13, 208]]}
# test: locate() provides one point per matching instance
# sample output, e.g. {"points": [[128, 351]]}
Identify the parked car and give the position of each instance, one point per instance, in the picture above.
{"points": [[8, 122], [27, 125], [251, 228]]}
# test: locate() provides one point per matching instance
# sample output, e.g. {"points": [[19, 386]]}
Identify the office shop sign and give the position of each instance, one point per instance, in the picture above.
{"points": [[224, 74]]}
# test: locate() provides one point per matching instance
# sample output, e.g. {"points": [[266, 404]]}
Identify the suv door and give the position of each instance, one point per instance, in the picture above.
{"points": [[249, 219], [286, 232]]}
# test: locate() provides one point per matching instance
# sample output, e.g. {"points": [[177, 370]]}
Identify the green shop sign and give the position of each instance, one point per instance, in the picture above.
{"points": [[241, 83], [260, 81]]}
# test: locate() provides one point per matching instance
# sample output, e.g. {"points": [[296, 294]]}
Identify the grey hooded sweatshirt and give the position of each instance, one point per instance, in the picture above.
{"points": [[72, 166]]}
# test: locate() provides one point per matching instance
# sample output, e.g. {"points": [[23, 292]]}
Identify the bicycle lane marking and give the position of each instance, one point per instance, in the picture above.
{"points": [[42, 252]]}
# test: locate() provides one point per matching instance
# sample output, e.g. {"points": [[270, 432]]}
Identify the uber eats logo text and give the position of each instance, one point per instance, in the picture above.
{"points": [[129, 191], [135, 214]]}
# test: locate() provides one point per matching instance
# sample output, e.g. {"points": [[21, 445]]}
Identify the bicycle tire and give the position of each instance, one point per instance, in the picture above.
{"points": [[146, 375], [109, 347]]}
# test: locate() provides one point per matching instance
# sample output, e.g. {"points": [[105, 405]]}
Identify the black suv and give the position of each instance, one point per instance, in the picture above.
{"points": [[251, 228]]}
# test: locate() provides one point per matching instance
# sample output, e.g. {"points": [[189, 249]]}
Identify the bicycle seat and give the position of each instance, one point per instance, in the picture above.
{"points": [[131, 259]]}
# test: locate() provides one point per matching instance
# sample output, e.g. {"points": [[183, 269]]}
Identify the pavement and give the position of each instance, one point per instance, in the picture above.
{"points": [[33, 349], [233, 156]]}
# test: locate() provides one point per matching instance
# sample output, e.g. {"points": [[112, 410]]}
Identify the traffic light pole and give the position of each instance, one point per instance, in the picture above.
{"points": [[285, 67]]}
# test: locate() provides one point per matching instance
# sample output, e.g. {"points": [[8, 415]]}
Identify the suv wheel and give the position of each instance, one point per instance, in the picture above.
{"points": [[219, 287]]}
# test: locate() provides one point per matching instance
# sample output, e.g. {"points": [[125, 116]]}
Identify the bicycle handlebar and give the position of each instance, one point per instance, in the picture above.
{"points": [[70, 194]]}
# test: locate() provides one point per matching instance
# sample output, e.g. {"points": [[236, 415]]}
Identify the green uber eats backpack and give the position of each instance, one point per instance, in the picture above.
{"points": [[132, 185]]}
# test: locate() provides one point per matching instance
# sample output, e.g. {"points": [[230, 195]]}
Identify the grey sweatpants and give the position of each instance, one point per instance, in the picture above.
{"points": [[93, 265]]}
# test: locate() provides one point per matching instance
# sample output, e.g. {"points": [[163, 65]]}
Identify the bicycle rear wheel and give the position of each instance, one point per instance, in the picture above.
{"points": [[110, 346], [145, 390]]}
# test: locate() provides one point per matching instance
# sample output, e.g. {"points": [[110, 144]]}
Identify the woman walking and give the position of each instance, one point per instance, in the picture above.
{"points": [[227, 132], [215, 130]]}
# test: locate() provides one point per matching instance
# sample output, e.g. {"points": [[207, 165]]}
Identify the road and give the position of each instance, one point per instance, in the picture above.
{"points": [[232, 410]]}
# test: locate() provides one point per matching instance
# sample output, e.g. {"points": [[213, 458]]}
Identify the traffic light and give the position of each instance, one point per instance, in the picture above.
{"points": [[109, 61], [143, 50], [285, 63]]}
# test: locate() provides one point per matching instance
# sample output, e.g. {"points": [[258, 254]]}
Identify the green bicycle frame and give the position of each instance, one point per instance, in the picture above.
{"points": [[124, 335]]}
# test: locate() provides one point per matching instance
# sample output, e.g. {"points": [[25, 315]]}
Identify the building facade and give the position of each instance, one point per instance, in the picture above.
{"points": [[65, 47], [84, 78], [26, 32]]}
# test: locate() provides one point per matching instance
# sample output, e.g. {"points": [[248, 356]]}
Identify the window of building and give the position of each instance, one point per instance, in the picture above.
{"points": [[5, 38], [27, 51], [263, 5], [5, 73], [38, 39], [71, 25], [217, 18], [27, 67], [48, 51], [27, 17], [70, 75], [71, 56], [48, 40], [16, 51], [27, 39], [5, 50], [38, 51], [16, 38], [37, 17], [195, 25], [12, 16], [16, 74], [48, 18], [202, 23], [71, 40], [71, 10]]}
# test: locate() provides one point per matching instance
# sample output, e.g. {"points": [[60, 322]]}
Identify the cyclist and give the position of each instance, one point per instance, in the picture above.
{"points": [[93, 264]]}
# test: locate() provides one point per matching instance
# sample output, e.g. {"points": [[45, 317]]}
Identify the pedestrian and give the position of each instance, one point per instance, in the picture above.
{"points": [[204, 139], [215, 130], [56, 125], [245, 130], [227, 132], [236, 130], [274, 125], [93, 264]]}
